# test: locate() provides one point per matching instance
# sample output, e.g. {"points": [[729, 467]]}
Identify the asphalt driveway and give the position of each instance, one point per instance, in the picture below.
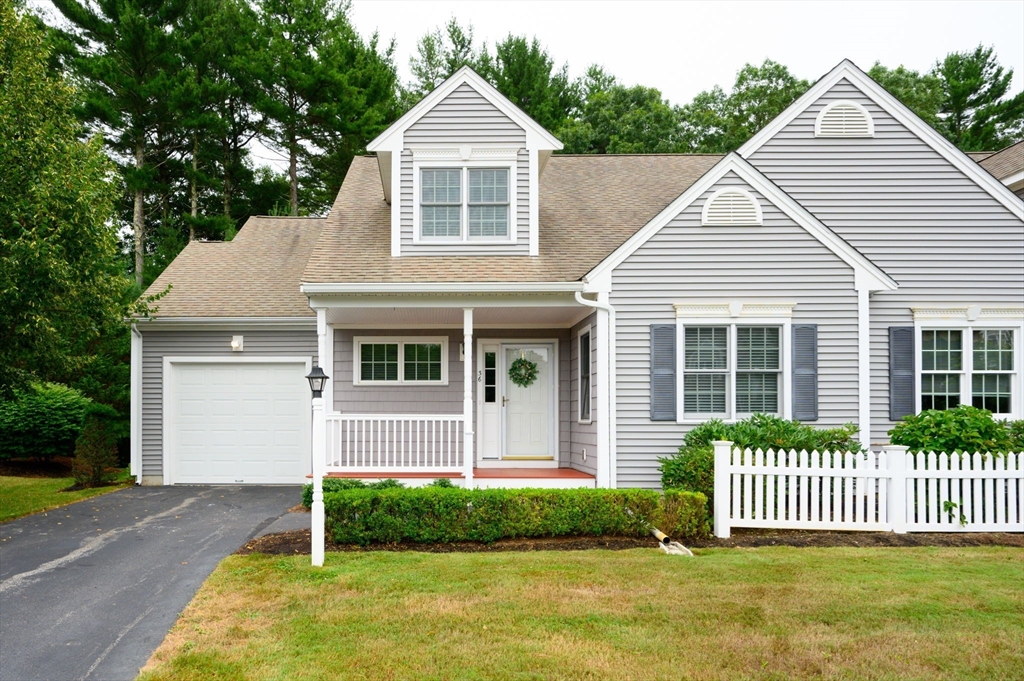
{"points": [[88, 591]]}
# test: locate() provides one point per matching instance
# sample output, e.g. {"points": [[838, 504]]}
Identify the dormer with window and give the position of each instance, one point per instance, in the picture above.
{"points": [[461, 172]]}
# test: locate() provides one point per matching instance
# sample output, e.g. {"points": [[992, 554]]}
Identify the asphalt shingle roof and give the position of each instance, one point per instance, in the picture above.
{"points": [[589, 205], [255, 275], [1005, 162]]}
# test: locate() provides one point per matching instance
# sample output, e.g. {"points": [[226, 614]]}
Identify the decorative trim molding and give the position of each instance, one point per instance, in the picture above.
{"points": [[735, 310], [968, 313], [464, 153]]}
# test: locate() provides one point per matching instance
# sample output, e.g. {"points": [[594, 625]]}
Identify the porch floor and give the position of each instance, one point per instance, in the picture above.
{"points": [[549, 473]]}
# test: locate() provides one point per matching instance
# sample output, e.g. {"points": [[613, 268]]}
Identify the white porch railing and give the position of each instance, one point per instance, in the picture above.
{"points": [[395, 443], [888, 490]]}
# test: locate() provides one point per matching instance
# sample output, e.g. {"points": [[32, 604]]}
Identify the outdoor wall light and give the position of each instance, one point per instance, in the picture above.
{"points": [[317, 379], [236, 343]]}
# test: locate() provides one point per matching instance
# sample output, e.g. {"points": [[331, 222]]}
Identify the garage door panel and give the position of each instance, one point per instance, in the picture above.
{"points": [[239, 423]]}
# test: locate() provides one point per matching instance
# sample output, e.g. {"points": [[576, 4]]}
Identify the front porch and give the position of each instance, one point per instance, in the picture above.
{"points": [[419, 389]]}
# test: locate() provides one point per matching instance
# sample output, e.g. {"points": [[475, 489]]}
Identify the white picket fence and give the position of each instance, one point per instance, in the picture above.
{"points": [[887, 490]]}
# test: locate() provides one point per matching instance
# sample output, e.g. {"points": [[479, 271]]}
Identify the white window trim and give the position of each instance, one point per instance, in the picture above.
{"points": [[844, 102], [731, 190], [401, 341], [465, 158], [968, 319], [732, 315], [590, 371]]}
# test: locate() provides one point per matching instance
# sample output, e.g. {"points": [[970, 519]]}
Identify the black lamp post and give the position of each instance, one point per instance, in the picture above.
{"points": [[317, 379]]}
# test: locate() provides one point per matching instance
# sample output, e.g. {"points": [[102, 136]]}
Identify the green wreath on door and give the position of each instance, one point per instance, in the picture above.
{"points": [[523, 372]]}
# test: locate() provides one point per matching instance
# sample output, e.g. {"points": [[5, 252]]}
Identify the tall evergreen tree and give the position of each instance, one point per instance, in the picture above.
{"points": [[126, 54], [921, 92], [975, 114]]}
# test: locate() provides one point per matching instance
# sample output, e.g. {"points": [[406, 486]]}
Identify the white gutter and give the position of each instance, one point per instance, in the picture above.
{"points": [[445, 287], [864, 366], [602, 304], [222, 322]]}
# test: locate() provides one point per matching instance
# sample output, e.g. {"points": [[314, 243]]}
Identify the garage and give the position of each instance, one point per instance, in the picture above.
{"points": [[236, 422]]}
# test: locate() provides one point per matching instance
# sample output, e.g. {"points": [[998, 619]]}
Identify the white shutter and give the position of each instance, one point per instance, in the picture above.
{"points": [[844, 119], [731, 207]]}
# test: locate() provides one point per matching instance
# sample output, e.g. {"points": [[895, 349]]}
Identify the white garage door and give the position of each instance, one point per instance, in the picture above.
{"points": [[235, 423]]}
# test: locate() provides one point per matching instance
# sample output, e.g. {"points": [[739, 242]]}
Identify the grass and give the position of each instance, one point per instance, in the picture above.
{"points": [[20, 496], [768, 613]]}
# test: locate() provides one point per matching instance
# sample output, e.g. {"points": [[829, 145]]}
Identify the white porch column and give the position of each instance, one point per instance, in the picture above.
{"points": [[467, 395], [604, 430], [864, 365], [318, 446]]}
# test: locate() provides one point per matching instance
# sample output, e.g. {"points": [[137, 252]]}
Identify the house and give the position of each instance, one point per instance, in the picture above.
{"points": [[494, 312]]}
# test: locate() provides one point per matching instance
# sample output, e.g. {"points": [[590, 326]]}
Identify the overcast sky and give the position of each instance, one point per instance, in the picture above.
{"points": [[685, 47]]}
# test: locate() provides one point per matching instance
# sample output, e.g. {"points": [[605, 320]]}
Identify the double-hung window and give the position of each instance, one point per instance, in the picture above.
{"points": [[976, 366], [412, 361], [731, 370], [465, 204]]}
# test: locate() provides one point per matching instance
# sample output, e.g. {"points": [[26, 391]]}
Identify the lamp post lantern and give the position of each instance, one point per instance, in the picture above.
{"points": [[317, 379]]}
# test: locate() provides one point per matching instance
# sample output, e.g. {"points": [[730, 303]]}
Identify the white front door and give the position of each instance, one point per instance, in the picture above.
{"points": [[529, 410]]}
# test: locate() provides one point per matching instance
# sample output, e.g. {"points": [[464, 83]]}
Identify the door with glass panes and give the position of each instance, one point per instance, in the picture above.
{"points": [[516, 422]]}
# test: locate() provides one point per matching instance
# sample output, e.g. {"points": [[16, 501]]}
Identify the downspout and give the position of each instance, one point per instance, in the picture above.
{"points": [[135, 405], [612, 381]]}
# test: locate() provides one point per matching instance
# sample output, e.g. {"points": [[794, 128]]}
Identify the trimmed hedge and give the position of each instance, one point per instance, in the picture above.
{"points": [[450, 514], [42, 422], [341, 484]]}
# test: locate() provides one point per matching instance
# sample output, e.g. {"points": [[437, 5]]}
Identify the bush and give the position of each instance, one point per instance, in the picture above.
{"points": [[95, 462], [340, 484], [41, 422], [964, 429], [692, 468], [438, 514]]}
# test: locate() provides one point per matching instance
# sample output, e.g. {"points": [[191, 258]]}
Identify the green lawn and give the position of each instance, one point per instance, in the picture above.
{"points": [[21, 496], [768, 613]]}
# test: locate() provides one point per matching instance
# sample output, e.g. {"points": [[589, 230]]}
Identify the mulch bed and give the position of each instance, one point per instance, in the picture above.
{"points": [[57, 467], [297, 542]]}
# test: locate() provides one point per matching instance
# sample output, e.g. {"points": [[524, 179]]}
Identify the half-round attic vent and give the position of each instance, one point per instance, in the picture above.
{"points": [[844, 119], [731, 206]]}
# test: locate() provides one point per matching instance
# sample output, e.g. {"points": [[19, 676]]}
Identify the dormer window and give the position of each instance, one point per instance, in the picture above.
{"points": [[472, 201]]}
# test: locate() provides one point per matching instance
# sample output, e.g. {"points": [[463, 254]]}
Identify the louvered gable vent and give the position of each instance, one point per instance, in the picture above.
{"points": [[731, 207], [844, 119]]}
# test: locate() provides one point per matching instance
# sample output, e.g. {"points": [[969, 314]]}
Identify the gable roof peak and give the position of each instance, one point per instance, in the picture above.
{"points": [[536, 135]]}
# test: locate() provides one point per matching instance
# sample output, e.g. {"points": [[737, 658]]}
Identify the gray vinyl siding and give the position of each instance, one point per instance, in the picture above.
{"points": [[689, 264], [583, 435], [943, 238], [442, 399], [158, 344], [465, 117]]}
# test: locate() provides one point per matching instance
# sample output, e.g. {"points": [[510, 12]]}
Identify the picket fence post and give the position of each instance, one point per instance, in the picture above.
{"points": [[723, 501], [896, 464]]}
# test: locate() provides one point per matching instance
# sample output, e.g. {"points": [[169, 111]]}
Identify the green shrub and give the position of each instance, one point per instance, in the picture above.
{"points": [[95, 462], [41, 422], [442, 482], [964, 429], [438, 514], [685, 515], [339, 484], [692, 468]]}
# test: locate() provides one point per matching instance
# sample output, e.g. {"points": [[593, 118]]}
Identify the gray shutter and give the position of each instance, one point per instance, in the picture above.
{"points": [[805, 372], [663, 372], [902, 401]]}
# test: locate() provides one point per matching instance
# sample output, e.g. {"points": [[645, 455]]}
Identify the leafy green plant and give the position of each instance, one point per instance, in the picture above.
{"points": [[41, 422], [442, 482], [964, 429], [949, 508], [692, 468], [95, 462], [441, 514], [341, 484]]}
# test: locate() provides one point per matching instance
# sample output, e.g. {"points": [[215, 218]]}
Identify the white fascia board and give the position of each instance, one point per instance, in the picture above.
{"points": [[895, 108], [537, 136], [168, 323], [869, 274], [1011, 180], [445, 287]]}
